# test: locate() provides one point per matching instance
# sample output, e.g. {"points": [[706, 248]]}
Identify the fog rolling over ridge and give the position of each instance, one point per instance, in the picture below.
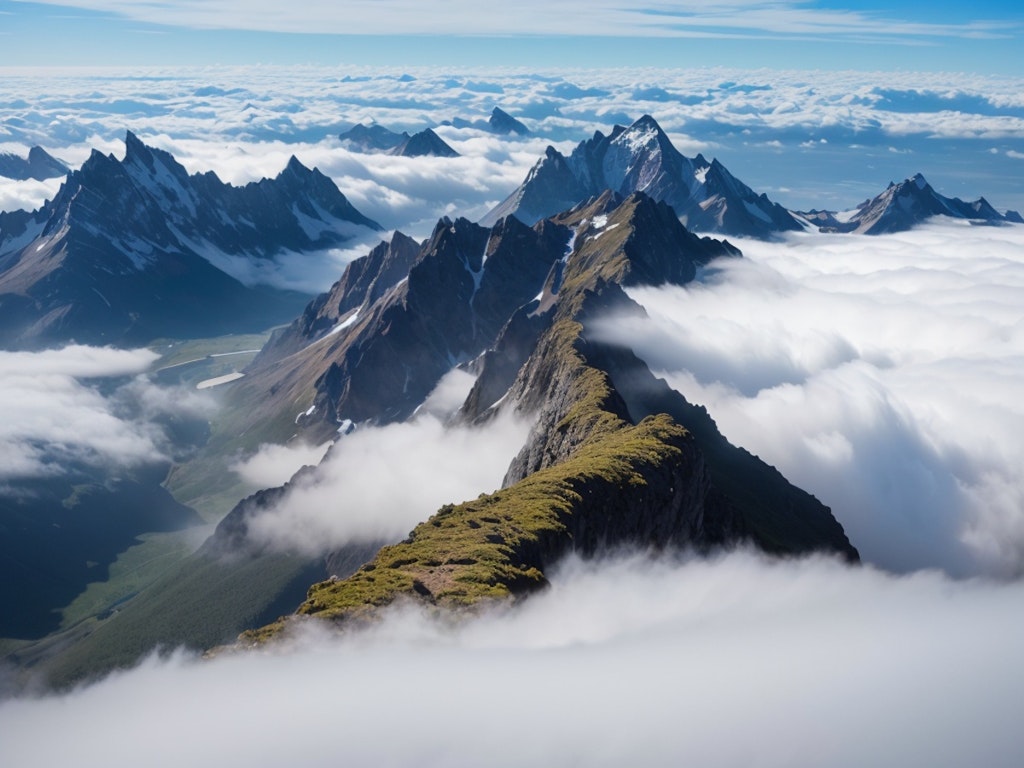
{"points": [[882, 375]]}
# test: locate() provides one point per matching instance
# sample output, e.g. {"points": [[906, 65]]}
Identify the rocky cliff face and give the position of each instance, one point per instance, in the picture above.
{"points": [[374, 347]]}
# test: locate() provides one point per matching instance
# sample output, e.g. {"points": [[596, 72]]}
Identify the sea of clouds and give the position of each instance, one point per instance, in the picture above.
{"points": [[882, 374], [806, 138]]}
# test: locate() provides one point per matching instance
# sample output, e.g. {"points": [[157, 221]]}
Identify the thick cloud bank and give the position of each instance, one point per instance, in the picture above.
{"points": [[377, 483], [882, 374], [731, 662], [53, 411]]}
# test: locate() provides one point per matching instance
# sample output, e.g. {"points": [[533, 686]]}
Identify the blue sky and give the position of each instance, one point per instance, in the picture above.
{"points": [[911, 35]]}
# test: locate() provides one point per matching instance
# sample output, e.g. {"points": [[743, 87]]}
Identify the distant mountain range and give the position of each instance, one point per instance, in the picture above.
{"points": [[377, 138], [39, 165], [134, 249], [902, 207], [705, 195]]}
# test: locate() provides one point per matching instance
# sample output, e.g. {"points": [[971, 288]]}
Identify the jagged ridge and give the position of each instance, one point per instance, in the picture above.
{"points": [[595, 473], [641, 158]]}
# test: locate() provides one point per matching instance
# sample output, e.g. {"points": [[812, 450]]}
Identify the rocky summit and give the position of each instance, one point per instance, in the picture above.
{"points": [[39, 165]]}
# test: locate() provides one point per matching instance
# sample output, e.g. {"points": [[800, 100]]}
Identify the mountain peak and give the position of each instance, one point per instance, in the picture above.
{"points": [[39, 165], [295, 166], [502, 122], [645, 121], [134, 148], [641, 157], [903, 206], [426, 143]]}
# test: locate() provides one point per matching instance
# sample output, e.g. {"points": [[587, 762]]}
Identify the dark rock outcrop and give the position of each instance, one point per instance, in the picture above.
{"points": [[426, 143], [376, 345], [502, 122]]}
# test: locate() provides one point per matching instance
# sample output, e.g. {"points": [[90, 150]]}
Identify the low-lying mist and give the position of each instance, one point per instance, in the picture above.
{"points": [[733, 660], [377, 482]]}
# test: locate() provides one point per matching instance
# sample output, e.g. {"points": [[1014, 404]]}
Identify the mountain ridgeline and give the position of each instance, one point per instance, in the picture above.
{"points": [[707, 197], [615, 457], [134, 249], [641, 158], [376, 138], [903, 206]]}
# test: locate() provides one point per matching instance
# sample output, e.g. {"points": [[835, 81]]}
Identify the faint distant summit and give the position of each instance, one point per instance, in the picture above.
{"points": [[903, 206], [500, 122], [378, 139], [39, 165]]}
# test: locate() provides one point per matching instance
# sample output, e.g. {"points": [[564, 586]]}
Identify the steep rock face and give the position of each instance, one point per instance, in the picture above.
{"points": [[903, 206], [614, 457], [364, 281], [641, 158], [393, 340], [39, 165], [448, 311], [135, 249]]}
